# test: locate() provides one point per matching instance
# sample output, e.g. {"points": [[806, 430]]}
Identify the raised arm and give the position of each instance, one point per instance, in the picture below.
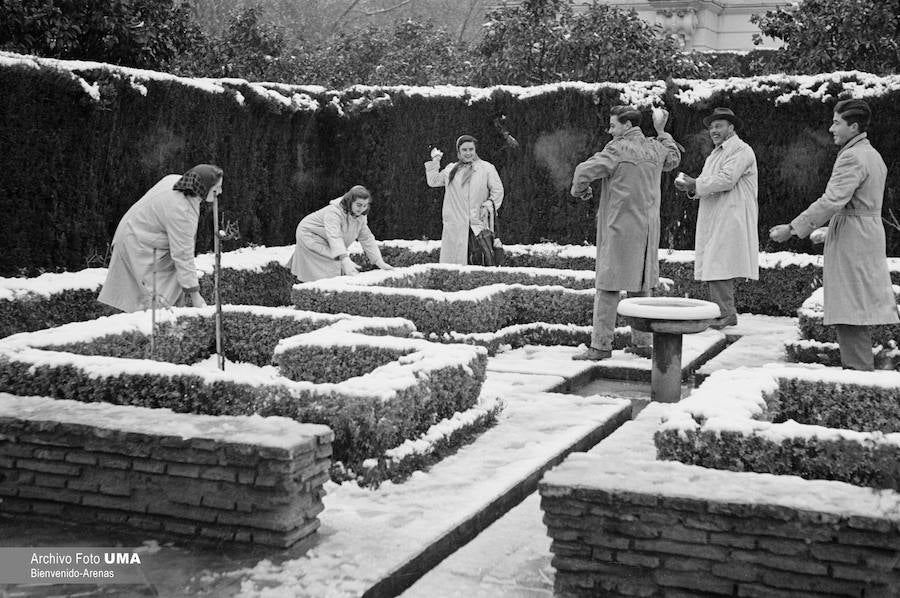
{"points": [[672, 153], [433, 173]]}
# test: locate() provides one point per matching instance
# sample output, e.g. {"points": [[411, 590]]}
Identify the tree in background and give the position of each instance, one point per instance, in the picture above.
{"points": [[137, 33], [542, 41], [829, 35], [407, 53]]}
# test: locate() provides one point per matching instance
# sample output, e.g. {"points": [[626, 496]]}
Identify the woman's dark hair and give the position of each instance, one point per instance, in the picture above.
{"points": [[355, 192], [854, 111], [626, 113], [465, 139]]}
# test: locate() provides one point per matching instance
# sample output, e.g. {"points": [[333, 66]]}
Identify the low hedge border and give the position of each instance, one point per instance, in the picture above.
{"points": [[368, 413], [811, 315], [258, 276], [536, 333], [481, 309], [442, 439], [747, 420]]}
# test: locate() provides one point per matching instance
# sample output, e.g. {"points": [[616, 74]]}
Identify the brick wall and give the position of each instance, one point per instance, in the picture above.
{"points": [[242, 479], [622, 544], [625, 524]]}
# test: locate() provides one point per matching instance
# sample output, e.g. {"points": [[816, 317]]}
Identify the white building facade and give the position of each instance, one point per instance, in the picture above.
{"points": [[704, 25]]}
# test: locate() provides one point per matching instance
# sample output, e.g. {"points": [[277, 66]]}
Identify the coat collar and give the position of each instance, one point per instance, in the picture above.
{"points": [[633, 133], [856, 140], [728, 143]]}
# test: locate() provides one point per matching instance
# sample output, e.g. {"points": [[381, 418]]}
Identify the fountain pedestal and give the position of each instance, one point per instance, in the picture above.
{"points": [[668, 318]]}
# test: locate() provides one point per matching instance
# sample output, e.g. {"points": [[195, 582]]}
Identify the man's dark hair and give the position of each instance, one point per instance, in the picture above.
{"points": [[854, 111], [626, 113]]}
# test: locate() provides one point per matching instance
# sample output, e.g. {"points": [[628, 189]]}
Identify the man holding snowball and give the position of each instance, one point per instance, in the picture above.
{"points": [[726, 242], [630, 167]]}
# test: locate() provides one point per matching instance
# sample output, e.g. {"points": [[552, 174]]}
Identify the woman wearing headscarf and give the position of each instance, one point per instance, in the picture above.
{"points": [[161, 225], [324, 235], [471, 184]]}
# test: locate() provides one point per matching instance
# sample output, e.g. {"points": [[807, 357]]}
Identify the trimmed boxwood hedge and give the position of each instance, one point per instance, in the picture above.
{"points": [[810, 458], [517, 303], [780, 291], [821, 403], [284, 161], [365, 425]]}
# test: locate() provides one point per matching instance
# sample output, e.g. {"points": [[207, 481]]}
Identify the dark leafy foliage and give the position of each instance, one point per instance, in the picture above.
{"points": [[831, 35], [138, 33]]}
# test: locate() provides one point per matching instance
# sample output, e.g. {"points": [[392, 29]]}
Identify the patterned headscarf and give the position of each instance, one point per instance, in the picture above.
{"points": [[463, 167], [198, 180]]}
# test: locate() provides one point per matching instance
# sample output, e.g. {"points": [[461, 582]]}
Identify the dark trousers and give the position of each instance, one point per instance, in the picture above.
{"points": [[856, 347], [721, 292]]}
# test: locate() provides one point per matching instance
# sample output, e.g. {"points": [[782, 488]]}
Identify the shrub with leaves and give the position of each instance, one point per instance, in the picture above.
{"points": [[821, 36]]}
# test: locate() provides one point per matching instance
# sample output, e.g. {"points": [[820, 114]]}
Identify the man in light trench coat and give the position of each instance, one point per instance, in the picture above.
{"points": [[630, 167], [856, 280], [726, 243]]}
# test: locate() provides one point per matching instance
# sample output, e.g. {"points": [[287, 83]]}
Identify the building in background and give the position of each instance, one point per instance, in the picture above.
{"points": [[705, 25]]}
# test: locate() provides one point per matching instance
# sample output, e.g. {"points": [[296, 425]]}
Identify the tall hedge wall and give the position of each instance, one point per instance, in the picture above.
{"points": [[75, 158]]}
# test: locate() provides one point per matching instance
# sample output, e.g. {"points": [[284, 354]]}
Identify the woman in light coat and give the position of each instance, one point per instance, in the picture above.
{"points": [[324, 235], [856, 280], [161, 225], [470, 185]]}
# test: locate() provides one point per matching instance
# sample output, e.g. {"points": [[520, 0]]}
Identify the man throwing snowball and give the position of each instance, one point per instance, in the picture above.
{"points": [[630, 167]]}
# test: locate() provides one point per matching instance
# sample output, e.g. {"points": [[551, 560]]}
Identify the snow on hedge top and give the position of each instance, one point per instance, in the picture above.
{"points": [[733, 401], [276, 432], [256, 258], [293, 98]]}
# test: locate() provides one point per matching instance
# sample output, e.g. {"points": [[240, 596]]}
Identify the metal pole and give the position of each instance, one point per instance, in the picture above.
{"points": [[216, 270], [153, 310]]}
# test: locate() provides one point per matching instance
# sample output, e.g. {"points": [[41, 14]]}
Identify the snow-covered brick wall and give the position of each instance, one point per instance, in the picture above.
{"points": [[834, 424], [624, 523], [245, 479], [335, 369]]}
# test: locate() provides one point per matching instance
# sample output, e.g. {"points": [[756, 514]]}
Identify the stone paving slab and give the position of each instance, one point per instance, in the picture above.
{"points": [[758, 340], [509, 559], [557, 360]]}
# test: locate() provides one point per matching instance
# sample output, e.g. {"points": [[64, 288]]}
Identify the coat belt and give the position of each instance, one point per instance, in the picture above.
{"points": [[858, 212]]}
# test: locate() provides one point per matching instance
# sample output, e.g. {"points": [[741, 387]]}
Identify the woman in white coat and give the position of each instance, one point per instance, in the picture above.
{"points": [[161, 225], [324, 235], [470, 185]]}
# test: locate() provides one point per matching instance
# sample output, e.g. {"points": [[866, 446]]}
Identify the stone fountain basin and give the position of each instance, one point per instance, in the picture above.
{"points": [[669, 315]]}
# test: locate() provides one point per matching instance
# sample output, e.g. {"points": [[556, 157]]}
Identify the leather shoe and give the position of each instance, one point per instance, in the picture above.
{"points": [[724, 322], [593, 354]]}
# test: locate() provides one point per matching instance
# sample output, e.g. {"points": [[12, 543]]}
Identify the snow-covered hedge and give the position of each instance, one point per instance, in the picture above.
{"points": [[443, 298], [257, 276], [814, 423], [316, 142], [370, 403], [818, 342]]}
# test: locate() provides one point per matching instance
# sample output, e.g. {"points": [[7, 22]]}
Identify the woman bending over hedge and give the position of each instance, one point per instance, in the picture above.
{"points": [[161, 225], [323, 237]]}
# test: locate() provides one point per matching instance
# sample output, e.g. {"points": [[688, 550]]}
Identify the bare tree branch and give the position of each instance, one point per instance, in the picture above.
{"points": [[372, 13], [343, 14], [465, 23]]}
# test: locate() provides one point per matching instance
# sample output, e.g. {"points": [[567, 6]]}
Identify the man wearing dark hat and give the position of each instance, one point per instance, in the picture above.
{"points": [[856, 279], [726, 243]]}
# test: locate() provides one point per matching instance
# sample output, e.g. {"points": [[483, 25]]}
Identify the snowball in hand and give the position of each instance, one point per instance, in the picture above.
{"points": [[436, 153], [681, 178]]}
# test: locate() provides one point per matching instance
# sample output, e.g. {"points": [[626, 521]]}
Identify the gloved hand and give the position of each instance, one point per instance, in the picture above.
{"points": [[436, 154]]}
